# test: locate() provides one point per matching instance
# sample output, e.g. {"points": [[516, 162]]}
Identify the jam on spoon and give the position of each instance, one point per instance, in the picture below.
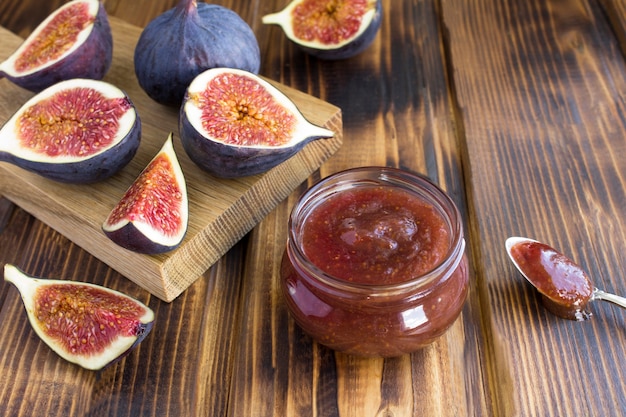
{"points": [[564, 286]]}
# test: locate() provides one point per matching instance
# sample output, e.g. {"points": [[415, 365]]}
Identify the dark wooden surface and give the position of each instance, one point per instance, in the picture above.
{"points": [[515, 108]]}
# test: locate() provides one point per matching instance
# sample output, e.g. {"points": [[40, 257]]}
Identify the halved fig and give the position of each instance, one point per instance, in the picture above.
{"points": [[73, 42], [76, 131], [86, 324], [330, 29], [153, 214], [233, 123]]}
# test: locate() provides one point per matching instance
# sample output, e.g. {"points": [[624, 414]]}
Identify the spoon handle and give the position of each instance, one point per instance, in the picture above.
{"points": [[615, 299]]}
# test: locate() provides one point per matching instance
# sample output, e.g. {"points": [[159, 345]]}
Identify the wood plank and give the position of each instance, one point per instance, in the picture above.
{"points": [[615, 10], [183, 366], [539, 87], [533, 126], [221, 211], [394, 119]]}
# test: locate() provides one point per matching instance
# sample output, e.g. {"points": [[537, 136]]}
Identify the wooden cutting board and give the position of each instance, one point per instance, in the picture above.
{"points": [[221, 211]]}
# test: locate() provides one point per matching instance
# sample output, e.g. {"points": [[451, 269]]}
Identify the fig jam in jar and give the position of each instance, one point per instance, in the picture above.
{"points": [[375, 262]]}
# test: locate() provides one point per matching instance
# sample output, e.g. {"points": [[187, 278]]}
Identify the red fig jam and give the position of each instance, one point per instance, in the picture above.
{"points": [[565, 286], [375, 262]]}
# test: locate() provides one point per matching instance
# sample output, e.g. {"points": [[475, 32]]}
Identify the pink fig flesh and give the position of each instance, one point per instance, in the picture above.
{"points": [[236, 111], [152, 215], [86, 324], [56, 38], [57, 126]]}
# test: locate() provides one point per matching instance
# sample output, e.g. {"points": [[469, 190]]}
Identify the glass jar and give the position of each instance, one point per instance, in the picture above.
{"points": [[375, 262]]}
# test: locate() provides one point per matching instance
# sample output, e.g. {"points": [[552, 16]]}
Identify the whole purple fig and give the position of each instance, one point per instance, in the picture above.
{"points": [[188, 39]]}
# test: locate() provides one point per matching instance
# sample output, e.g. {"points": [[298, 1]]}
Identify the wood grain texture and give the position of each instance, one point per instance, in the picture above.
{"points": [[221, 211], [615, 10], [515, 108], [540, 87]]}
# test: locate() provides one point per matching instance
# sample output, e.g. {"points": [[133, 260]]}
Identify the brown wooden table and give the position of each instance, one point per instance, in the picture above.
{"points": [[516, 108]]}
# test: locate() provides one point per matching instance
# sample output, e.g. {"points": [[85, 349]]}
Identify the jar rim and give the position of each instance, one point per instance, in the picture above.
{"points": [[417, 183]]}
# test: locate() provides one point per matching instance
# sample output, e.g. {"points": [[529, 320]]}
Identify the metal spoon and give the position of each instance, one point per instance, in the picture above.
{"points": [[564, 286]]}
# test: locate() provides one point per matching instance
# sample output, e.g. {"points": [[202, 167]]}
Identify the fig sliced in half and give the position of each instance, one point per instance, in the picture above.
{"points": [[234, 124], [86, 324], [76, 131], [153, 214], [330, 29], [72, 42]]}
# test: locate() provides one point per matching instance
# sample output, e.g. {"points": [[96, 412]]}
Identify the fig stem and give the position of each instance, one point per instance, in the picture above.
{"points": [[23, 283], [319, 132], [187, 6]]}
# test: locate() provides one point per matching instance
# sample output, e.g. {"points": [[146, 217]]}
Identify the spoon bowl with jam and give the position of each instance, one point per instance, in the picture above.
{"points": [[565, 287]]}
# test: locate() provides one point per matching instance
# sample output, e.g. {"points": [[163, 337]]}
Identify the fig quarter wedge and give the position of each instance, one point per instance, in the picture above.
{"points": [[153, 214], [86, 324]]}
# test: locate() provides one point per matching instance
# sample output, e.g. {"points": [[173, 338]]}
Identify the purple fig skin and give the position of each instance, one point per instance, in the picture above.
{"points": [[353, 48], [187, 40], [228, 161], [143, 329], [132, 239], [94, 169], [91, 60]]}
